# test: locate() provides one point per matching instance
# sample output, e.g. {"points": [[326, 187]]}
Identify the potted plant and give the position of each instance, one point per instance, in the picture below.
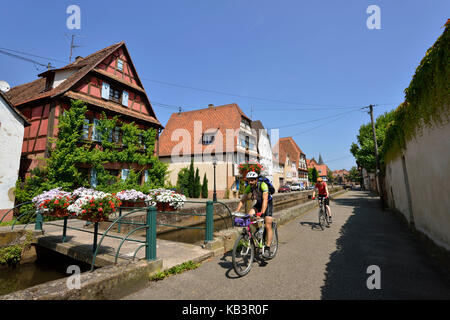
{"points": [[132, 198], [246, 167], [54, 203], [166, 200], [94, 206]]}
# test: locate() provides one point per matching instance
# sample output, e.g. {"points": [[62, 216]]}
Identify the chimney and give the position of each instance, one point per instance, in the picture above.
{"points": [[210, 105]]}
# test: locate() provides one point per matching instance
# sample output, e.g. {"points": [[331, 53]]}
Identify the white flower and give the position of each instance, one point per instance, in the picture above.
{"points": [[163, 195]]}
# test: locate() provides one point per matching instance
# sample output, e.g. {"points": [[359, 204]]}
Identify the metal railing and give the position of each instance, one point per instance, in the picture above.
{"points": [[149, 226]]}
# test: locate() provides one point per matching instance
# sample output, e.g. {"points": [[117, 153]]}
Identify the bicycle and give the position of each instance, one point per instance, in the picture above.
{"points": [[324, 217], [251, 242]]}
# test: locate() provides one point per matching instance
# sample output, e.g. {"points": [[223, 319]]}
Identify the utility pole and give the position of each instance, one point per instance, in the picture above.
{"points": [[377, 173]]}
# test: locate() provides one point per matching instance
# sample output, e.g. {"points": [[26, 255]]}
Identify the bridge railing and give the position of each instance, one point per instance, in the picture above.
{"points": [[149, 226]]}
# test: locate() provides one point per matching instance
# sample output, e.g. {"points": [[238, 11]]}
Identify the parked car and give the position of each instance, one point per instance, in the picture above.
{"points": [[296, 187], [284, 188]]}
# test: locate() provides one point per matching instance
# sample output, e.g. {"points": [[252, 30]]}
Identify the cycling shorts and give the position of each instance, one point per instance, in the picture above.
{"points": [[269, 210], [326, 200]]}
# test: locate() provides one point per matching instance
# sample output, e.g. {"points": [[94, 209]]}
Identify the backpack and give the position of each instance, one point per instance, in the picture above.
{"points": [[269, 185]]}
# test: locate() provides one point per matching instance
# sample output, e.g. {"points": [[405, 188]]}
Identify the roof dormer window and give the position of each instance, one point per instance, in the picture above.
{"points": [[207, 139]]}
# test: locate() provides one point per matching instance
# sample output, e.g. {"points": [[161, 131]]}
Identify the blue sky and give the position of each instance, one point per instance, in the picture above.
{"points": [[283, 62]]}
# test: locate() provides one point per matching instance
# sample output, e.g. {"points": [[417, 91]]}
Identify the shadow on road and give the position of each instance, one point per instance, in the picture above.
{"points": [[315, 226], [227, 263], [371, 236]]}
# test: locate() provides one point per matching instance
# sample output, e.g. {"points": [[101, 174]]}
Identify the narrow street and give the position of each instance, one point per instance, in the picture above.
{"points": [[316, 264]]}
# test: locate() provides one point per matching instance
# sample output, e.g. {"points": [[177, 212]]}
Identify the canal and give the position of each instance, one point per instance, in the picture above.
{"points": [[49, 266]]}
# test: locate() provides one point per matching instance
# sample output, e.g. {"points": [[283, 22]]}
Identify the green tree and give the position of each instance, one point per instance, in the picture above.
{"points": [[205, 187], [314, 175], [191, 179], [354, 175], [197, 185], [364, 149], [330, 177], [183, 181]]}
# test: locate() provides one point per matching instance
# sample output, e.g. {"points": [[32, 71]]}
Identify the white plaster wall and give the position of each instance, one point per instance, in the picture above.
{"points": [[427, 160], [265, 152], [11, 137], [61, 76]]}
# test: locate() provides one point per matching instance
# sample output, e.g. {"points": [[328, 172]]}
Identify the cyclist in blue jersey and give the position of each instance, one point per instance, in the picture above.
{"points": [[260, 192]]}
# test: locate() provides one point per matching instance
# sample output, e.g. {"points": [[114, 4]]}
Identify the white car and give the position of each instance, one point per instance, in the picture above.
{"points": [[296, 187]]}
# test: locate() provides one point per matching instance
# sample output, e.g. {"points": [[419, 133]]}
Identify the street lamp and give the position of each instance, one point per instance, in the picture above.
{"points": [[214, 164]]}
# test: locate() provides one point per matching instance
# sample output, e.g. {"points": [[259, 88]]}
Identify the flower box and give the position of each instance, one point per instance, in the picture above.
{"points": [[54, 203], [246, 167], [94, 206], [132, 198], [166, 200], [93, 216], [164, 206]]}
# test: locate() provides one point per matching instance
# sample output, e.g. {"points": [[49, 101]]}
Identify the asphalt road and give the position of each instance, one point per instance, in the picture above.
{"points": [[316, 264]]}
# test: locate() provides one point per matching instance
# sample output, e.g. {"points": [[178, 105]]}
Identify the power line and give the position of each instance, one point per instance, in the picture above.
{"points": [[314, 120], [32, 55], [317, 106], [25, 59], [320, 125], [243, 96]]}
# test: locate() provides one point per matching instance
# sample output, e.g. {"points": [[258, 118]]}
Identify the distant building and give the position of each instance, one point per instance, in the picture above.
{"points": [[322, 169], [265, 155], [340, 176], [223, 132], [294, 161], [12, 124]]}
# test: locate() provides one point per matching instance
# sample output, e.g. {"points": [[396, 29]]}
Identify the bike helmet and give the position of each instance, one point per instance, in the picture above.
{"points": [[252, 175]]}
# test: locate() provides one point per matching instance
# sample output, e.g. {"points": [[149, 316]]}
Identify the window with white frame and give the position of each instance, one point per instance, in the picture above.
{"points": [[207, 139], [120, 64]]}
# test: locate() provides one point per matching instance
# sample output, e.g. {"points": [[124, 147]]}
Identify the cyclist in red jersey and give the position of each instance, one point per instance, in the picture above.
{"points": [[322, 187]]}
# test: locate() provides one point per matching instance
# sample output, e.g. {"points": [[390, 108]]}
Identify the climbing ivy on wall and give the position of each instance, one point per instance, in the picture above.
{"points": [[72, 152], [426, 99]]}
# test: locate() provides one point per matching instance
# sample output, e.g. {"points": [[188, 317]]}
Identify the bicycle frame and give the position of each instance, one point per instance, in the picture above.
{"points": [[258, 243]]}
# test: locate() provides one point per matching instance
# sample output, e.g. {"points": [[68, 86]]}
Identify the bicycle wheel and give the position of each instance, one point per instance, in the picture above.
{"points": [[243, 254], [274, 243], [322, 219]]}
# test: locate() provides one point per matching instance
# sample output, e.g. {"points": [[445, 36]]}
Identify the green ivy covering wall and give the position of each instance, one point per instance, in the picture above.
{"points": [[426, 99]]}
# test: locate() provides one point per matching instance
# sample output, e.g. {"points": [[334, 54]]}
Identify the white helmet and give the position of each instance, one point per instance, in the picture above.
{"points": [[252, 175]]}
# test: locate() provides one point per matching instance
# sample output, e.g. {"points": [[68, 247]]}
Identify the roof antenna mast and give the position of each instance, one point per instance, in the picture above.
{"points": [[72, 46]]}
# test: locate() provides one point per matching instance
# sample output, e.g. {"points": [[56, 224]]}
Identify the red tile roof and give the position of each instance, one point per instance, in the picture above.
{"points": [[218, 118], [287, 146], [35, 90]]}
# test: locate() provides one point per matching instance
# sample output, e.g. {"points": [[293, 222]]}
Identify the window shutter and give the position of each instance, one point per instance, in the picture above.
{"points": [[85, 129], [95, 133], [125, 173], [125, 99], [105, 90], [93, 178]]}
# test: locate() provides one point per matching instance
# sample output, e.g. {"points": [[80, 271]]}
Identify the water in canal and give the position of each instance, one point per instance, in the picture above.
{"points": [[49, 266]]}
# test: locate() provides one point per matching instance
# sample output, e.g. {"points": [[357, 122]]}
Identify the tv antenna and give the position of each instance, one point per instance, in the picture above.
{"points": [[72, 46]]}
